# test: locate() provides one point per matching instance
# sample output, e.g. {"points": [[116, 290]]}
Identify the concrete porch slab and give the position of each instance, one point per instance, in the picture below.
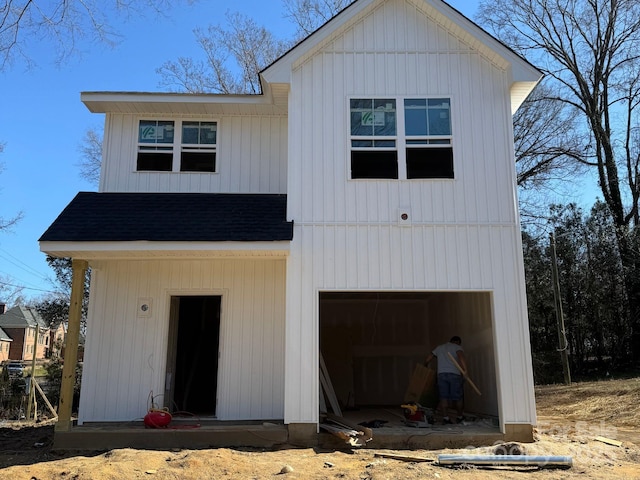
{"points": [[393, 434], [108, 436]]}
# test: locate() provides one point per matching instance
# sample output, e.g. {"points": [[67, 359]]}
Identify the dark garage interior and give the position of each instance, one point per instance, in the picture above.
{"points": [[371, 343]]}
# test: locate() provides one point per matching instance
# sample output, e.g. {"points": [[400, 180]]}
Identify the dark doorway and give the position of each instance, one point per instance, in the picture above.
{"points": [[192, 355]]}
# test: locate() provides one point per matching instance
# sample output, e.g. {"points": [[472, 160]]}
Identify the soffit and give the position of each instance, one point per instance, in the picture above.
{"points": [[187, 104]]}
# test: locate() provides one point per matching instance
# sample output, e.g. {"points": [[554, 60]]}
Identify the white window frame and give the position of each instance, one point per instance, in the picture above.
{"points": [[401, 138], [373, 138], [177, 147]]}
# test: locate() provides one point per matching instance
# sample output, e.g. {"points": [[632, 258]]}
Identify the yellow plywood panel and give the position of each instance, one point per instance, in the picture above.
{"points": [[423, 378]]}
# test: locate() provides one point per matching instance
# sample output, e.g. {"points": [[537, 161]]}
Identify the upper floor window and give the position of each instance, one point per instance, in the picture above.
{"points": [[373, 138], [155, 145], [185, 146], [411, 141], [428, 138]]}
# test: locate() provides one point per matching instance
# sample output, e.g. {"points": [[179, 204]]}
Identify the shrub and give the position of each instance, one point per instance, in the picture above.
{"points": [[12, 396], [54, 382]]}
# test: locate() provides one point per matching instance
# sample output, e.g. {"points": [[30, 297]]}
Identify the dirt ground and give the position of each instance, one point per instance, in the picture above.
{"points": [[569, 418]]}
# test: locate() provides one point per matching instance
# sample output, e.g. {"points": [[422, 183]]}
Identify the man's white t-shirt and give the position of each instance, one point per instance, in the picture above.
{"points": [[445, 365]]}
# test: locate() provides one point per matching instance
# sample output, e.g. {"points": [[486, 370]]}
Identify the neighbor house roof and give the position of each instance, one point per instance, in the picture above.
{"points": [[172, 217], [21, 317], [4, 337]]}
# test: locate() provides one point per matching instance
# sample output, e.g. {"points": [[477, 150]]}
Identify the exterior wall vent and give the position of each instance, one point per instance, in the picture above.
{"points": [[404, 217]]}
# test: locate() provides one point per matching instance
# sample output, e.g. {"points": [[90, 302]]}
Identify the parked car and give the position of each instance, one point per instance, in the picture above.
{"points": [[15, 368]]}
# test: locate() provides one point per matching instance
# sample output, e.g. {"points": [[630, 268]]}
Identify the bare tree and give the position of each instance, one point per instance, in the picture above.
{"points": [[234, 55], [10, 293], [63, 25], [91, 154], [308, 15], [547, 143], [591, 49]]}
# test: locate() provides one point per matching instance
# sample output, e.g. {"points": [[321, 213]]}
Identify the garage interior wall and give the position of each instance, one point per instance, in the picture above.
{"points": [[372, 341]]}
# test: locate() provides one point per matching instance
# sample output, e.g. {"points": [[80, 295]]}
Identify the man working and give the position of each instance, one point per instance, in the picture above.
{"points": [[450, 380]]}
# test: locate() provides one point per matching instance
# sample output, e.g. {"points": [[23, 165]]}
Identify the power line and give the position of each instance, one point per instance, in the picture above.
{"points": [[21, 265], [6, 276], [26, 288]]}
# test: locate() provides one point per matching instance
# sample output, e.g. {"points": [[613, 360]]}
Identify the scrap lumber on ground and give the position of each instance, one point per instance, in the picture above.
{"points": [[352, 433], [609, 441], [327, 387], [404, 458]]}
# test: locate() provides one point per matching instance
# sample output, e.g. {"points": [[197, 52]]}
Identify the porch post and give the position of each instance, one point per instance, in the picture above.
{"points": [[71, 348]]}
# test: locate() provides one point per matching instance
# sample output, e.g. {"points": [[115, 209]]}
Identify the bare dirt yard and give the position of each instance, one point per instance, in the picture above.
{"points": [[569, 419]]}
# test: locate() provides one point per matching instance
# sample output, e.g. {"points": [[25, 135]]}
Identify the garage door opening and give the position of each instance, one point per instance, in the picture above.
{"points": [[371, 343]]}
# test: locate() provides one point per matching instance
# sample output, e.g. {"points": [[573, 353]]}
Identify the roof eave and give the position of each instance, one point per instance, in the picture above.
{"points": [[153, 249], [105, 102], [520, 91]]}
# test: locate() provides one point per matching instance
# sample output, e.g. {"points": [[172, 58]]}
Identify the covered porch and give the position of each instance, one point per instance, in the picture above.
{"points": [[177, 281]]}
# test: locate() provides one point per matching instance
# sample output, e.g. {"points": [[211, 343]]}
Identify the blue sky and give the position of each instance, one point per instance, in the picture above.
{"points": [[42, 120]]}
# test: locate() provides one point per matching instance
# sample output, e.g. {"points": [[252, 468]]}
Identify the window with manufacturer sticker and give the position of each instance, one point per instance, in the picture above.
{"points": [[177, 146], [417, 147]]}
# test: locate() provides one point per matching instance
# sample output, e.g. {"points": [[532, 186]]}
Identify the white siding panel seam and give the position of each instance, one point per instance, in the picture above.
{"points": [[395, 52], [393, 224]]}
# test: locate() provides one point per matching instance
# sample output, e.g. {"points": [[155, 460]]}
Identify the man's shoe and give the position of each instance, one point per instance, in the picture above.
{"points": [[460, 419], [446, 421]]}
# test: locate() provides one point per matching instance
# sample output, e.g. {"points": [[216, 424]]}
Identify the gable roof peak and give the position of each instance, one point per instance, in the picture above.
{"points": [[22, 316], [524, 75]]}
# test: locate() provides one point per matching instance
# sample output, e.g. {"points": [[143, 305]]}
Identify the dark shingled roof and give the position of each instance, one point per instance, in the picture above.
{"points": [[21, 317], [172, 217]]}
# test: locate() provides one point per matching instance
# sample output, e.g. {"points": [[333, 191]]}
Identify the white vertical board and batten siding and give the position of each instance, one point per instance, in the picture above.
{"points": [[126, 354], [465, 232], [251, 158]]}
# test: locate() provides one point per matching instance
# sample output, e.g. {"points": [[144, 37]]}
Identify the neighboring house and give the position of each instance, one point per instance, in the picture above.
{"points": [[5, 339], [56, 339], [20, 324], [362, 208], [5, 345]]}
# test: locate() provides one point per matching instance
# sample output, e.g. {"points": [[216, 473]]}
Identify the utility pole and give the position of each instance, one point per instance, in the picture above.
{"points": [[32, 392], [562, 337]]}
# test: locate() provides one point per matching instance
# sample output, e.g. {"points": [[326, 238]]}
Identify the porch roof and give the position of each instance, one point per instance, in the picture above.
{"points": [[172, 217]]}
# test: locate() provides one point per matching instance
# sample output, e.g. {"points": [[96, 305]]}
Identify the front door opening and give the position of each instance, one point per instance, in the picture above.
{"points": [[192, 355]]}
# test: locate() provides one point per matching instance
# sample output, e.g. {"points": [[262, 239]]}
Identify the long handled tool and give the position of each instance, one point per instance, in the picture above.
{"points": [[464, 374]]}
